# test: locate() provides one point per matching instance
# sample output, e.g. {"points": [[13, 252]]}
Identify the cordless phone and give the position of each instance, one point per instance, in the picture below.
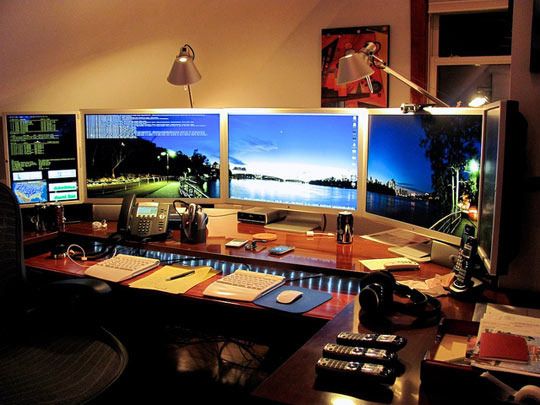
{"points": [[374, 340], [362, 354], [464, 266], [363, 372]]}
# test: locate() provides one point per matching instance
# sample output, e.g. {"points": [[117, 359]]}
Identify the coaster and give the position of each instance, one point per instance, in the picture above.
{"points": [[265, 236]]}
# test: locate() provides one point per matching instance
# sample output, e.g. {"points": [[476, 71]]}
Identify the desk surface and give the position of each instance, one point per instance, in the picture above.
{"points": [[311, 254], [307, 389], [321, 253]]}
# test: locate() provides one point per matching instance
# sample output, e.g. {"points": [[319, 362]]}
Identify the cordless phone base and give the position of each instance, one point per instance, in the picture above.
{"points": [[458, 288]]}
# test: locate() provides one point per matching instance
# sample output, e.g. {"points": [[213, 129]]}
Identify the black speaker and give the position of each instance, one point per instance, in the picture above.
{"points": [[378, 307]]}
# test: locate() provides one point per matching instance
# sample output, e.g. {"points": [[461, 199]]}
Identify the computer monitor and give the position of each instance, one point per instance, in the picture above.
{"points": [[502, 186], [294, 159], [155, 154], [42, 159], [421, 170]]}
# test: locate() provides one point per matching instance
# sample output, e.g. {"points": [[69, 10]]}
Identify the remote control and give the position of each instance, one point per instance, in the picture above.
{"points": [[389, 342], [368, 372], [365, 354], [401, 264]]}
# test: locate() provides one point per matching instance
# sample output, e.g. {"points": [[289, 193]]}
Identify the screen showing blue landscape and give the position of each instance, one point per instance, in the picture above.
{"points": [[423, 169], [153, 155], [301, 159]]}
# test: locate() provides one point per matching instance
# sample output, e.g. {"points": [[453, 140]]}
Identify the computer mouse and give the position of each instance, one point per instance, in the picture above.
{"points": [[288, 296]]}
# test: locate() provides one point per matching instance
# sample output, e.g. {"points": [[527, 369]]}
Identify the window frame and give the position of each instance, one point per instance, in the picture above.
{"points": [[437, 8]]}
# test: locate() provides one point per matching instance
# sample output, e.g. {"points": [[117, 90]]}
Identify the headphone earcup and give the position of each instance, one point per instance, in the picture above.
{"points": [[377, 303], [376, 294]]}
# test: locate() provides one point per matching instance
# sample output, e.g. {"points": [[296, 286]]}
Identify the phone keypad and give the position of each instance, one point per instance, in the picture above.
{"points": [[143, 227]]}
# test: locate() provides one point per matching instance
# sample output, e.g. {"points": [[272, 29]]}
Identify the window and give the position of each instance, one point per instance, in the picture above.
{"points": [[470, 50]]}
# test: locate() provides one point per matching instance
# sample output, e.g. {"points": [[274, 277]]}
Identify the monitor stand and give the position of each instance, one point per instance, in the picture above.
{"points": [[415, 251], [296, 222]]}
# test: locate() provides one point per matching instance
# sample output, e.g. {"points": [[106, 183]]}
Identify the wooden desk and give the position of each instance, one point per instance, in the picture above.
{"points": [[294, 382], [319, 253]]}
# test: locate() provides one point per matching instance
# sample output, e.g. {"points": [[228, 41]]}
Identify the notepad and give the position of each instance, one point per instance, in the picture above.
{"points": [[503, 346], [159, 280]]}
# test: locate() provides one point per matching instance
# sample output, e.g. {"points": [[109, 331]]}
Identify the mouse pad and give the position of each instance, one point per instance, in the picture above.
{"points": [[306, 302]]}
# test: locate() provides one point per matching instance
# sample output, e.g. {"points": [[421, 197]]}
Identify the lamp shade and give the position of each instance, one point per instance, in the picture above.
{"points": [[184, 71], [352, 67]]}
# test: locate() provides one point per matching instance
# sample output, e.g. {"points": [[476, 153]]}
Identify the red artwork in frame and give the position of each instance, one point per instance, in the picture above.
{"points": [[335, 43]]}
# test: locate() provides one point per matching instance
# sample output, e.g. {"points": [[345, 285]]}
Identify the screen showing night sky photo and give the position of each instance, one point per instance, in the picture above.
{"points": [[423, 169], [301, 159], [175, 155]]}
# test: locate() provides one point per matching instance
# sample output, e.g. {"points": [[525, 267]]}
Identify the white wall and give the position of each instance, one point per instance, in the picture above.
{"points": [[525, 87], [76, 54], [111, 53]]}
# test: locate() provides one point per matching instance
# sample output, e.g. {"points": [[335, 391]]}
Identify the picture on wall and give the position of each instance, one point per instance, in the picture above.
{"points": [[335, 43]]}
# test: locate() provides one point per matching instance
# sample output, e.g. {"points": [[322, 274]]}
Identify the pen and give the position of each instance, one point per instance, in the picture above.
{"points": [[187, 273]]}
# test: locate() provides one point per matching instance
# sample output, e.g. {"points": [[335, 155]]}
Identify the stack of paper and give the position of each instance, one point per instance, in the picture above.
{"points": [[509, 324]]}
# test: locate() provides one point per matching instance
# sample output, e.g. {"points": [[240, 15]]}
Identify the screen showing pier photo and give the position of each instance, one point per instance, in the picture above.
{"points": [[301, 159], [153, 155], [423, 170]]}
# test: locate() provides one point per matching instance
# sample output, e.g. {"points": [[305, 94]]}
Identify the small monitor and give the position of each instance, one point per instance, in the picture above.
{"points": [[41, 150], [422, 170], [502, 186], [294, 159], [154, 154]]}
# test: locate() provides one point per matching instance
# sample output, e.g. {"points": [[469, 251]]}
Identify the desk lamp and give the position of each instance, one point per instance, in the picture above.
{"points": [[479, 99], [359, 65], [183, 71]]}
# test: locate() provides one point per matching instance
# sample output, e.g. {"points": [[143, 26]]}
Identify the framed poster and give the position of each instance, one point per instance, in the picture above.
{"points": [[335, 43]]}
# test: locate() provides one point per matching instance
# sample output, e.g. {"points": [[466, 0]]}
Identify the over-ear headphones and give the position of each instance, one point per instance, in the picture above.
{"points": [[377, 302]]}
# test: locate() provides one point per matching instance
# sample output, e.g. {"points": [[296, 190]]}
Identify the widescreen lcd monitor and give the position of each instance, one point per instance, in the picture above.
{"points": [[154, 154], [502, 191], [422, 170], [41, 150], [295, 159]]}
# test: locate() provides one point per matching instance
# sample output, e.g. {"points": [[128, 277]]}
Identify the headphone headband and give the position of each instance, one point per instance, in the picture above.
{"points": [[376, 300]]}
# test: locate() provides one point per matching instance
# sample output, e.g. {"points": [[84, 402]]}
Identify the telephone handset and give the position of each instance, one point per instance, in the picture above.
{"points": [[463, 280], [143, 219], [125, 211]]}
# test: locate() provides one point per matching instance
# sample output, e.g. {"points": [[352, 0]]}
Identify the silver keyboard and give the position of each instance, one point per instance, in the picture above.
{"points": [[243, 285], [121, 267]]}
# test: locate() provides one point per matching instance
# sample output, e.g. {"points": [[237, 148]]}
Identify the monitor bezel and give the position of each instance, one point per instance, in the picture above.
{"points": [[393, 223], [80, 152], [188, 111], [292, 111], [503, 227]]}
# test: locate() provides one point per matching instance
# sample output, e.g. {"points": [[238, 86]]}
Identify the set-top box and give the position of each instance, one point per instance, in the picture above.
{"points": [[260, 215]]}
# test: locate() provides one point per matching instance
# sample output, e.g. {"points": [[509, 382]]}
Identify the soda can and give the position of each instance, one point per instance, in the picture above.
{"points": [[345, 221]]}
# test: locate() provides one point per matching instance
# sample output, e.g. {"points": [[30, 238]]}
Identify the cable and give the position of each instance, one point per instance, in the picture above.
{"points": [[305, 278], [324, 222], [222, 215], [69, 251], [311, 233]]}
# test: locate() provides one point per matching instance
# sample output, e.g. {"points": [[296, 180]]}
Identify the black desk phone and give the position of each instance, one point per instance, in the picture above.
{"points": [[143, 219]]}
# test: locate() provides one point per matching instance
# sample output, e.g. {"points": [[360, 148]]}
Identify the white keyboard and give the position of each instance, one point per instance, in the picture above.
{"points": [[243, 285], [121, 267]]}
